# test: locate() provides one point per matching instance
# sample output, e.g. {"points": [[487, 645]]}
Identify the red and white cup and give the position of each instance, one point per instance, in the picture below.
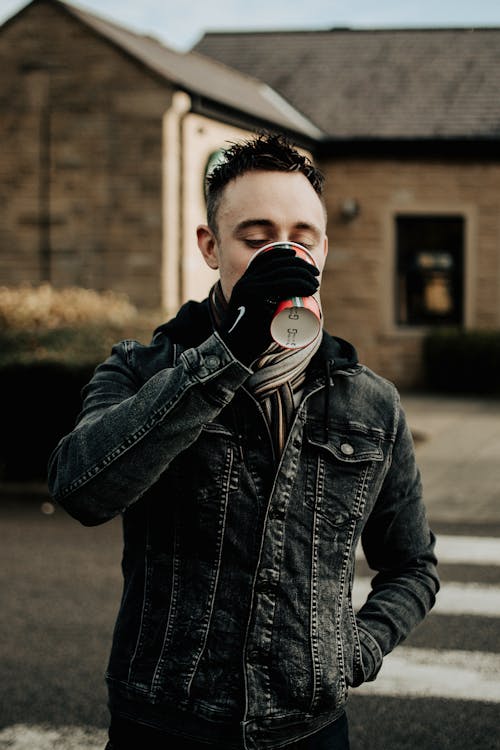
{"points": [[297, 321]]}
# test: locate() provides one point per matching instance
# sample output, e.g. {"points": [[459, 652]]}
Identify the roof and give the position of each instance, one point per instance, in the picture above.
{"points": [[377, 84], [208, 80]]}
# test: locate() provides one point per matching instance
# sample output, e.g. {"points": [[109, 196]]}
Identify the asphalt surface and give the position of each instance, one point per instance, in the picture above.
{"points": [[61, 585]]}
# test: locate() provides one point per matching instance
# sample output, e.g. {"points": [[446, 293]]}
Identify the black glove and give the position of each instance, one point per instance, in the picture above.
{"points": [[273, 276]]}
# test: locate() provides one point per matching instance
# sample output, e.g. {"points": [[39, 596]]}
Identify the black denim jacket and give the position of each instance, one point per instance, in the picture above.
{"points": [[237, 568]]}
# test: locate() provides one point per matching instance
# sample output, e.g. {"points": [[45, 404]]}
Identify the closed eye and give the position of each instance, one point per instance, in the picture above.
{"points": [[255, 244]]}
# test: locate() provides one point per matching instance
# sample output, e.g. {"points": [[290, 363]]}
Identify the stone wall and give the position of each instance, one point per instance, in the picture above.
{"points": [[84, 181], [359, 280], [80, 165]]}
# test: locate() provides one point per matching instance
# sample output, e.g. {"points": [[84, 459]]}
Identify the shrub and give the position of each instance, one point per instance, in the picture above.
{"points": [[42, 307], [50, 342], [466, 362], [72, 347], [39, 404], [69, 326]]}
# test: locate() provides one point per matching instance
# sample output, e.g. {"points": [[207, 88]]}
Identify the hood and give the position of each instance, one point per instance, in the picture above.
{"points": [[340, 353], [191, 326]]}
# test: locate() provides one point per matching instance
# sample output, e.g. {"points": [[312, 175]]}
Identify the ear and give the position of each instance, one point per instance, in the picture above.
{"points": [[207, 242], [325, 248]]}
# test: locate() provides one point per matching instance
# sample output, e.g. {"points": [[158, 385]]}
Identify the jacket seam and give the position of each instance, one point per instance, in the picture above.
{"points": [[371, 638], [144, 604], [216, 577], [153, 421], [174, 591]]}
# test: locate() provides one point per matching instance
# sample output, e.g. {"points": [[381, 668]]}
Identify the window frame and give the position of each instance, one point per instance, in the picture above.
{"points": [[389, 299], [411, 269]]}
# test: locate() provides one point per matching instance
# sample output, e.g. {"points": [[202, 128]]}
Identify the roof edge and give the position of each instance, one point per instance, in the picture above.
{"points": [[207, 107], [477, 147], [296, 122], [347, 29]]}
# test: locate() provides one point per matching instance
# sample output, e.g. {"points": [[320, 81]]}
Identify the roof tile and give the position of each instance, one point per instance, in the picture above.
{"points": [[398, 83]]}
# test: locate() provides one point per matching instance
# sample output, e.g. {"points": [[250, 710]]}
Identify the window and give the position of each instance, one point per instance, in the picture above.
{"points": [[215, 158], [430, 270]]}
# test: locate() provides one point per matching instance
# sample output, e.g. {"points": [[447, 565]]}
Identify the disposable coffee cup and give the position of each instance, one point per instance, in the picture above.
{"points": [[297, 321]]}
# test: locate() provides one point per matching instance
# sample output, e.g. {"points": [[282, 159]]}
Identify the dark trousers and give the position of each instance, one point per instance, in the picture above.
{"points": [[333, 737]]}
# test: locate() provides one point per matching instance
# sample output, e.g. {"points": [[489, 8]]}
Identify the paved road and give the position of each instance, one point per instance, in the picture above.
{"points": [[441, 689], [458, 448], [60, 589]]}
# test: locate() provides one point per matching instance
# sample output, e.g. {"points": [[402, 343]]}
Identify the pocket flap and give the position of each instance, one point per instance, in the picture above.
{"points": [[346, 445]]}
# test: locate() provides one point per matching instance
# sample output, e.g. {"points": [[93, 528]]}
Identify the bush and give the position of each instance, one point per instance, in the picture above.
{"points": [[50, 343], [42, 307], [39, 404], [72, 326], [463, 362], [71, 347]]}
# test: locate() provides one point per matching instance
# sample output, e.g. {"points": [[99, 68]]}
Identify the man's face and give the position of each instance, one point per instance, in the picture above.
{"points": [[261, 207]]}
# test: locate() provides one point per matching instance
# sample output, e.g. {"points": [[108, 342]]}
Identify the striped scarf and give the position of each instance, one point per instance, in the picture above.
{"points": [[278, 376]]}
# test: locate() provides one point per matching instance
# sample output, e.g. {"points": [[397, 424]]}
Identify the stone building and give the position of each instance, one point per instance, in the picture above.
{"points": [[410, 123], [105, 138], [106, 135]]}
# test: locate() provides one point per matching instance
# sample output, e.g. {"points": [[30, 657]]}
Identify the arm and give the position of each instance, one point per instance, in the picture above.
{"points": [[399, 545], [129, 431]]}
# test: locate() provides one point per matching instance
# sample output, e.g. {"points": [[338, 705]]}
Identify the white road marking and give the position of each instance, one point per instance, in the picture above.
{"points": [[452, 599], [465, 550], [459, 675], [37, 737], [469, 550], [411, 672]]}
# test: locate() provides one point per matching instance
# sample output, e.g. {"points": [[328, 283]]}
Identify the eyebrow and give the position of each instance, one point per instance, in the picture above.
{"points": [[252, 223], [267, 223]]}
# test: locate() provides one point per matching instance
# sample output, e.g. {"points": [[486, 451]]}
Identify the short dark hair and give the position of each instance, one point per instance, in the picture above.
{"points": [[268, 152]]}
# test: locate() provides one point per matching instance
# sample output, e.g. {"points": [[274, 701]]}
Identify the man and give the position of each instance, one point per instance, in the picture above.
{"points": [[246, 474]]}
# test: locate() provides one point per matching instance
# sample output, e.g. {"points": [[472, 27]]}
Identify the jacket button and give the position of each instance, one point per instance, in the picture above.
{"points": [[212, 361], [277, 514], [347, 449], [266, 587]]}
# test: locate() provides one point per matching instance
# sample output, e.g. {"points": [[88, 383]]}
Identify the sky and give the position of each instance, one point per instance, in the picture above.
{"points": [[181, 23]]}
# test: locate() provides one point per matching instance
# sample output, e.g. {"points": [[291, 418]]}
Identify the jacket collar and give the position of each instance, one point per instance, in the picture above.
{"points": [[192, 325]]}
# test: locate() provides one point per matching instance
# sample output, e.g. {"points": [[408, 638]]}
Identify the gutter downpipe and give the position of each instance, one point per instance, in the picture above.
{"points": [[172, 203]]}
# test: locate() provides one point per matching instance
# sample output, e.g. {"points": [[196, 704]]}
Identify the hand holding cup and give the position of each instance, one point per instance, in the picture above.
{"points": [[269, 278]]}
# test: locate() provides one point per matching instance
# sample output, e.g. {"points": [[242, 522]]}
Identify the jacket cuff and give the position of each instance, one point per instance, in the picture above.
{"points": [[211, 358], [371, 654]]}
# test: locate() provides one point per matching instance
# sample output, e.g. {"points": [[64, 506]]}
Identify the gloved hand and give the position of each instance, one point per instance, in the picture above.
{"points": [[273, 276]]}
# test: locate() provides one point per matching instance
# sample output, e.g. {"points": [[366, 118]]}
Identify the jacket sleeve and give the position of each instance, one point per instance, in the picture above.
{"points": [[129, 430], [399, 545]]}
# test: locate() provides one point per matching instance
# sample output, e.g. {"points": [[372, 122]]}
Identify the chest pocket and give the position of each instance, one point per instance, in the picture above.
{"points": [[341, 472], [198, 484], [206, 469]]}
